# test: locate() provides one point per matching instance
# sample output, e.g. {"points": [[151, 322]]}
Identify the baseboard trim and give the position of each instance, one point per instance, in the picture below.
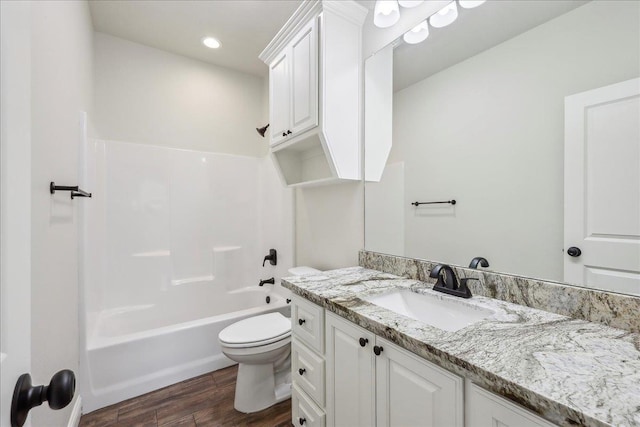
{"points": [[76, 413]]}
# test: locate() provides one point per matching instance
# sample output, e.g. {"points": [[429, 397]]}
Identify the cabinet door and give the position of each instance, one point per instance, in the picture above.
{"points": [[485, 409], [350, 374], [279, 97], [304, 79], [412, 392]]}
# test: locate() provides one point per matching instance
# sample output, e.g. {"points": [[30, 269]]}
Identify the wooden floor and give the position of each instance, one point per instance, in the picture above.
{"points": [[206, 400]]}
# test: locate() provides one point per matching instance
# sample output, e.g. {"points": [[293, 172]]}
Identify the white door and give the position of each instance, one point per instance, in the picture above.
{"points": [[411, 392], [350, 374], [304, 80], [602, 188], [280, 98], [15, 199]]}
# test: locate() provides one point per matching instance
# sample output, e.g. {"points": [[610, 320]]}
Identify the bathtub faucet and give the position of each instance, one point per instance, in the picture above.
{"points": [[271, 281]]}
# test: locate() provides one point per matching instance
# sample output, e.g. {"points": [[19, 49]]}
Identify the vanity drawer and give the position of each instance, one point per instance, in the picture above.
{"points": [[305, 413], [308, 323], [308, 371]]}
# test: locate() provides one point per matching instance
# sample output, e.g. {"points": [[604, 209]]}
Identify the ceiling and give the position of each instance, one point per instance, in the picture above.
{"points": [[244, 27], [475, 31]]}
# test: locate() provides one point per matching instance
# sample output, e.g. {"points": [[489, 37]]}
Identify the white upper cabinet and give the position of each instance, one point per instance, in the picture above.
{"points": [[304, 80], [293, 86], [279, 82], [315, 91]]}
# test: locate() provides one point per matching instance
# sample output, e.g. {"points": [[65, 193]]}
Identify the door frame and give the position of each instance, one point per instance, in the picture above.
{"points": [[15, 199]]}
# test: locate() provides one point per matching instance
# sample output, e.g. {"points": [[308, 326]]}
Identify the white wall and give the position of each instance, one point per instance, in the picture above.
{"points": [[490, 132], [329, 225], [61, 79], [150, 96]]}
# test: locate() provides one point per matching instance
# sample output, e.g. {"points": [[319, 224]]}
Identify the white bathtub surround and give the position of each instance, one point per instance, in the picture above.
{"points": [[175, 241]]}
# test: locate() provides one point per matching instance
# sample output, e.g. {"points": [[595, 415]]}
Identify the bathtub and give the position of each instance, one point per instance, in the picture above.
{"points": [[135, 349]]}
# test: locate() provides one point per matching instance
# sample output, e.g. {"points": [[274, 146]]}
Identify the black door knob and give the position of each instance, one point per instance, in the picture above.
{"points": [[302, 420], [301, 371], [363, 342], [288, 132], [377, 350], [301, 321], [574, 252], [58, 393]]}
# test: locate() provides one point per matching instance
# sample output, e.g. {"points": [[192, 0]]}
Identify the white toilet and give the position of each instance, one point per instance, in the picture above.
{"points": [[262, 347]]}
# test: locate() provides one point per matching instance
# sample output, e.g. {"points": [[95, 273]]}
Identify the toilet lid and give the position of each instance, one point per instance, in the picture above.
{"points": [[257, 330]]}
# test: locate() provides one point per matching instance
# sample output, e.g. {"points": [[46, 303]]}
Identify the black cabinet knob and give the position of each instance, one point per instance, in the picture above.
{"points": [[301, 321], [288, 132], [377, 350], [301, 371], [284, 134], [302, 420], [574, 252], [363, 342]]}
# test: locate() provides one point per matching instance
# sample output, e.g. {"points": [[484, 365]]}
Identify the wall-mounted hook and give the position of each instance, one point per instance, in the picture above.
{"points": [[75, 190]]}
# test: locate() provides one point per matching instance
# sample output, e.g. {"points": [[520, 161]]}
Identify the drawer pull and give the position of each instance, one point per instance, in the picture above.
{"points": [[301, 321], [284, 134], [302, 420], [301, 371], [363, 342], [377, 350]]}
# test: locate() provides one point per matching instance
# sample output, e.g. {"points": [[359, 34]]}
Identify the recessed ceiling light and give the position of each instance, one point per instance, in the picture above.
{"points": [[211, 42]]}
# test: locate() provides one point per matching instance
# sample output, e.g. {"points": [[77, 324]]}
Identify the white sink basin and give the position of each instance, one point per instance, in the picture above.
{"points": [[441, 313]]}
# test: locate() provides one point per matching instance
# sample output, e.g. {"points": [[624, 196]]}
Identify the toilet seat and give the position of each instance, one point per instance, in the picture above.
{"points": [[256, 331]]}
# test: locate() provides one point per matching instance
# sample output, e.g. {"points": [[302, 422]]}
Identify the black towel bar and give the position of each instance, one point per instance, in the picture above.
{"points": [[451, 202]]}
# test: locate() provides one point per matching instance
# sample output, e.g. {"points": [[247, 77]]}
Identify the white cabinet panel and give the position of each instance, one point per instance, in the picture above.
{"points": [[350, 374], [485, 409], [304, 80], [280, 97], [308, 371], [304, 412], [412, 392], [308, 323]]}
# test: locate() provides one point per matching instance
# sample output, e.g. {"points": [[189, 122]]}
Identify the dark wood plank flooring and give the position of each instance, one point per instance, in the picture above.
{"points": [[206, 400]]}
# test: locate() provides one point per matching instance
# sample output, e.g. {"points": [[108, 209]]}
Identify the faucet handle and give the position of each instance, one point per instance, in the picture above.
{"points": [[272, 257]]}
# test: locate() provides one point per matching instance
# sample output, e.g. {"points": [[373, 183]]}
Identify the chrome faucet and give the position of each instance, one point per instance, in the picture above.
{"points": [[448, 282]]}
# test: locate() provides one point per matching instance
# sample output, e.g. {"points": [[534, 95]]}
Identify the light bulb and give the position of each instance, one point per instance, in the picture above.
{"points": [[386, 13], [417, 34], [444, 16], [410, 3], [470, 4]]}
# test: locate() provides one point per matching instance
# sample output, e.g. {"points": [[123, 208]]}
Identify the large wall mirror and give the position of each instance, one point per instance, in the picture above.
{"points": [[527, 114]]}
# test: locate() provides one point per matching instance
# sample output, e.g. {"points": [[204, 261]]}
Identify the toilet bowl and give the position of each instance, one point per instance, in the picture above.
{"points": [[262, 347]]}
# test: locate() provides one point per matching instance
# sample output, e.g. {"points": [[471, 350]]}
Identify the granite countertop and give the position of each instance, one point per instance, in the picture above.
{"points": [[571, 372]]}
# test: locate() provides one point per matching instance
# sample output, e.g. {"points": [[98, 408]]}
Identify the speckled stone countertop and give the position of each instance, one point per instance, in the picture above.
{"points": [[571, 372]]}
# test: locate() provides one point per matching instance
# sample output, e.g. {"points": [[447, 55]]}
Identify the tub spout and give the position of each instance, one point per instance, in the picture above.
{"points": [[271, 281]]}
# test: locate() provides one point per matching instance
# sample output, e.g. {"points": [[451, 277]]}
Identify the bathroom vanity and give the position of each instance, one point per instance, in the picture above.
{"points": [[357, 363]]}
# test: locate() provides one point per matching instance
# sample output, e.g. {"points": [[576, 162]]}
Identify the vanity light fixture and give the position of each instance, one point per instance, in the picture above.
{"points": [[470, 4], [444, 16], [417, 34], [210, 42], [386, 13], [410, 3]]}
